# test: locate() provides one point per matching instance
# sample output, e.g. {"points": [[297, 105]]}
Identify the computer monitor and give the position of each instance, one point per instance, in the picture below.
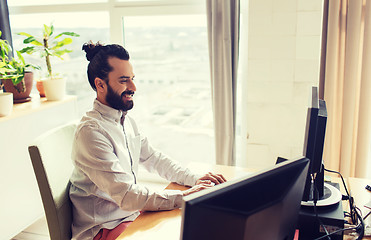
{"points": [[261, 206], [314, 139]]}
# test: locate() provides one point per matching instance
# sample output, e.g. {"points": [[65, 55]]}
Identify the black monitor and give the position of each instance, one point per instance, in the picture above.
{"points": [[314, 139], [261, 206]]}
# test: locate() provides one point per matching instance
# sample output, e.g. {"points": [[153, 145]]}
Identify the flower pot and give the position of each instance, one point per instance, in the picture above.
{"points": [[6, 104], [40, 88], [20, 93], [54, 89]]}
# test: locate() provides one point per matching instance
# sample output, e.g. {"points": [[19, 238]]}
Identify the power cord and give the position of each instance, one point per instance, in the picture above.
{"points": [[340, 230], [368, 214], [315, 199]]}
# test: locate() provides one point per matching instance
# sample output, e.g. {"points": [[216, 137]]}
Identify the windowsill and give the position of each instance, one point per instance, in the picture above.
{"points": [[36, 104]]}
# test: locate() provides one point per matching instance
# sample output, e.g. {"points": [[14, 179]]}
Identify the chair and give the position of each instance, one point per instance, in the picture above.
{"points": [[51, 160]]}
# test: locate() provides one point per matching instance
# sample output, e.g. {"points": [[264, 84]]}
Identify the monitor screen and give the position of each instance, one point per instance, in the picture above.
{"points": [[264, 205], [313, 144], [315, 132]]}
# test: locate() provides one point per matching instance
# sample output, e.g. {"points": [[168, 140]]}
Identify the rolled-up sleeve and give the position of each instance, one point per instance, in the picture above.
{"points": [[155, 161]]}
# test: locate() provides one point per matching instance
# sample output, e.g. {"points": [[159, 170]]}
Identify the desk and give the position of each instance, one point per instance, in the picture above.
{"points": [[165, 225], [356, 186]]}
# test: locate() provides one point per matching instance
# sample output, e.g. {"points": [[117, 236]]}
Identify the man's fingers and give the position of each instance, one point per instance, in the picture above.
{"points": [[197, 188], [216, 178]]}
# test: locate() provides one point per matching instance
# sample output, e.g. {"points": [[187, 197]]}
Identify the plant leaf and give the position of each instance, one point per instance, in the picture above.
{"points": [[72, 34], [61, 43], [59, 53], [32, 40], [47, 31], [28, 50], [51, 29], [19, 54], [24, 34], [5, 47], [17, 79]]}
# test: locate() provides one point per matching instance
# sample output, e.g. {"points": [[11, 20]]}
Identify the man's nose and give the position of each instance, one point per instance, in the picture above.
{"points": [[131, 86]]}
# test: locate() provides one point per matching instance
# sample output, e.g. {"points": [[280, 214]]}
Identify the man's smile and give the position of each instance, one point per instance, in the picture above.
{"points": [[128, 95]]}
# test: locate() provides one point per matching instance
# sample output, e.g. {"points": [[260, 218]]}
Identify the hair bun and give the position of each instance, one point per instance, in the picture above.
{"points": [[91, 49]]}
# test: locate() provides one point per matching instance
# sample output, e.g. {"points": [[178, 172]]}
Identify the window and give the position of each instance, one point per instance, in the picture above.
{"points": [[167, 41], [12, 3], [173, 101], [74, 66]]}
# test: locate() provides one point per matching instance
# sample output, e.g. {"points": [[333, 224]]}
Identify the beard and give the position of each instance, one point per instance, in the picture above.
{"points": [[116, 101]]}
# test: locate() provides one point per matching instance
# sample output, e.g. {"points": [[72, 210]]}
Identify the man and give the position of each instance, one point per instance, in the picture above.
{"points": [[107, 150]]}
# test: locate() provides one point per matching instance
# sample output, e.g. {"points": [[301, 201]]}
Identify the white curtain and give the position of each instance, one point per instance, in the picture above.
{"points": [[223, 35], [347, 87]]}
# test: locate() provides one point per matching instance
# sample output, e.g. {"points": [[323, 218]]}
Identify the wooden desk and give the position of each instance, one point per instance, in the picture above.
{"points": [[356, 186], [360, 194], [165, 225]]}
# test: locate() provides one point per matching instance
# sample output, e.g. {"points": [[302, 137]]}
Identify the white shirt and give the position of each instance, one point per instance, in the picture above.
{"points": [[106, 155]]}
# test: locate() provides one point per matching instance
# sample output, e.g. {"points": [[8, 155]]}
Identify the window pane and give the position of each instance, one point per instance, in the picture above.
{"points": [[91, 26], [173, 101], [13, 3]]}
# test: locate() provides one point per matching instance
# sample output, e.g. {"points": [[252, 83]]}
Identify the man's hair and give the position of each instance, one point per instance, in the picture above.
{"points": [[98, 55]]}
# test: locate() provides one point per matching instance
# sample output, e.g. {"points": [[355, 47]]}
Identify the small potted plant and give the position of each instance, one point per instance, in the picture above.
{"points": [[50, 44], [13, 75]]}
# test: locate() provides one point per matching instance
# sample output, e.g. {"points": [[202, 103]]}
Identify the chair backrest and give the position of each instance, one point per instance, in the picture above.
{"points": [[51, 159]]}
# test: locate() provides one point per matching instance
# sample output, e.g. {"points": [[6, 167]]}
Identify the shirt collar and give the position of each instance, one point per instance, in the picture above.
{"points": [[108, 112]]}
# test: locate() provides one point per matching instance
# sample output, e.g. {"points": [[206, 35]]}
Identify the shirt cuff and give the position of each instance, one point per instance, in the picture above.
{"points": [[177, 197], [191, 179]]}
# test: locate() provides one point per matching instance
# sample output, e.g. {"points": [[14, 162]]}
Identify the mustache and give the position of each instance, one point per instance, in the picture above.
{"points": [[129, 92]]}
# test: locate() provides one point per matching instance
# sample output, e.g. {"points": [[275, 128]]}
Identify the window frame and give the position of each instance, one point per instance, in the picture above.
{"points": [[117, 10]]}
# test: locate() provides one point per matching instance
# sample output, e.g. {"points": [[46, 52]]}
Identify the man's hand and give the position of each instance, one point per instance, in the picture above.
{"points": [[197, 188], [207, 181], [211, 178]]}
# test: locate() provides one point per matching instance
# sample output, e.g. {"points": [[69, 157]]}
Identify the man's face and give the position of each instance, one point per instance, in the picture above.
{"points": [[120, 86]]}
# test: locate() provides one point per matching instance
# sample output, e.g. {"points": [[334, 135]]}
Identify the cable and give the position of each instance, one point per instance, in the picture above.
{"points": [[368, 214], [337, 231], [355, 214], [359, 226], [315, 199], [361, 230], [342, 179]]}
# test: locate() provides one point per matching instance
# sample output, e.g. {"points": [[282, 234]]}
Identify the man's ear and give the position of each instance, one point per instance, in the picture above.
{"points": [[100, 84]]}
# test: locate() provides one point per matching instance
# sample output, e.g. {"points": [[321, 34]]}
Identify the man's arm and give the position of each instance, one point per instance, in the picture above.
{"points": [[105, 176], [155, 161]]}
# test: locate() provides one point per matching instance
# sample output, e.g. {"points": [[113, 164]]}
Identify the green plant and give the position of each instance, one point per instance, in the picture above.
{"points": [[48, 45], [5, 68], [12, 68]]}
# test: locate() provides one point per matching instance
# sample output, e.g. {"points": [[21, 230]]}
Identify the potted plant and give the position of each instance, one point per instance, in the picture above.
{"points": [[6, 99], [19, 80], [50, 44], [13, 75]]}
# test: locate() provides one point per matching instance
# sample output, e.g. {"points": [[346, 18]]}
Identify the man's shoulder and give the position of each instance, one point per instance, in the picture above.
{"points": [[88, 124]]}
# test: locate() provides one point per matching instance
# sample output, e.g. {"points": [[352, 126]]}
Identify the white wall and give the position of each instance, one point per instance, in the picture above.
{"points": [[280, 55], [20, 202]]}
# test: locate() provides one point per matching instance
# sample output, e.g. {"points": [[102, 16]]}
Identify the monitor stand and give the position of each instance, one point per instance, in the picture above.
{"points": [[329, 210], [331, 196]]}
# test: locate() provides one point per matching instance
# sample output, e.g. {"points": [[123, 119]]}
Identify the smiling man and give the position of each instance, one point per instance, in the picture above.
{"points": [[107, 150]]}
